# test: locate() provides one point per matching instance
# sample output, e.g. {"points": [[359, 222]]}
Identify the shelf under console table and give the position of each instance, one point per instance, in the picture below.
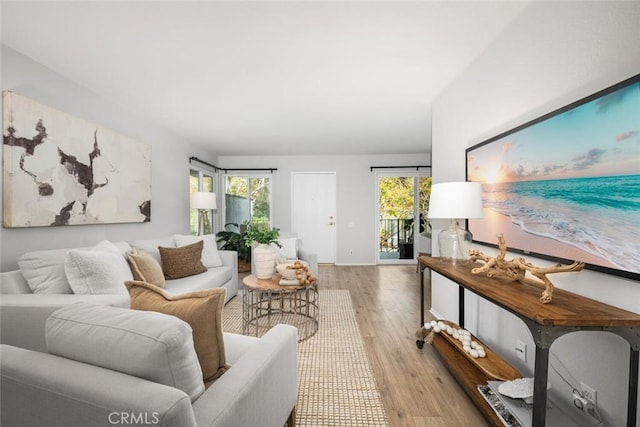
{"points": [[567, 313]]}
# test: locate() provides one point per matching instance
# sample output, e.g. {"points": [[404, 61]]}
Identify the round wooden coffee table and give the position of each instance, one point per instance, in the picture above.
{"points": [[266, 303]]}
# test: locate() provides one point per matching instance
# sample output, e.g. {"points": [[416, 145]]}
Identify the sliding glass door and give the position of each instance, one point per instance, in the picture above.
{"points": [[402, 208]]}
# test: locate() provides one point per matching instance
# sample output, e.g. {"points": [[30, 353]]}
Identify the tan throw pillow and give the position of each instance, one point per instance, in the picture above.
{"points": [[145, 268], [202, 310], [183, 261]]}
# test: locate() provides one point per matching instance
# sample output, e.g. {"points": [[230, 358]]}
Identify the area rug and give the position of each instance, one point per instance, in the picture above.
{"points": [[336, 385]]}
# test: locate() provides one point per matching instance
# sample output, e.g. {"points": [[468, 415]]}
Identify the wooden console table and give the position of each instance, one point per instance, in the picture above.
{"points": [[567, 313]]}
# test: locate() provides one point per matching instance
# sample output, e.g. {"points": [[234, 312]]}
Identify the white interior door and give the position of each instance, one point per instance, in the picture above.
{"points": [[313, 212]]}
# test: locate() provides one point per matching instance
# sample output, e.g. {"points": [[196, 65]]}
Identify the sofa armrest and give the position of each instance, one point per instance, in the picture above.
{"points": [[230, 258], [43, 389], [23, 316], [260, 389], [312, 259]]}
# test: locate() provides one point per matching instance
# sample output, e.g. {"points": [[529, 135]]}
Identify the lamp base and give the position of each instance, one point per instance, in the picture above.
{"points": [[454, 243]]}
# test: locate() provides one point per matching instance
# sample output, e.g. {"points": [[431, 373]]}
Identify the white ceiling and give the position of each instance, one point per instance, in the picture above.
{"points": [[255, 78]]}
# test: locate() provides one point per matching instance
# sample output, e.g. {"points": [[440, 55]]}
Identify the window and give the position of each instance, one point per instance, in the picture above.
{"points": [[247, 198], [201, 180]]}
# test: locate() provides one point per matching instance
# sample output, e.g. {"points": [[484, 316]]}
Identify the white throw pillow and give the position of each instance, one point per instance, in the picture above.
{"points": [[99, 270], [289, 248], [44, 271], [145, 344], [150, 246], [210, 256]]}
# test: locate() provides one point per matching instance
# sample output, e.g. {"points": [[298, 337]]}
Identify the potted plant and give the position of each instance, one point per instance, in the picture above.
{"points": [[236, 241], [264, 256], [405, 242]]}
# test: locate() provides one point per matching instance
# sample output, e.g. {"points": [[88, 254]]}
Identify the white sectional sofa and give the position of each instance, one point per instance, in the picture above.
{"points": [[135, 367], [23, 312]]}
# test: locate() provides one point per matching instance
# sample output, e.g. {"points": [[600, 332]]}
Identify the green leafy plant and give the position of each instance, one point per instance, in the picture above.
{"points": [[262, 234], [235, 240]]}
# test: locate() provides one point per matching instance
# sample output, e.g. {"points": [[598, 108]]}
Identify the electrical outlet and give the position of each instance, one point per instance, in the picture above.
{"points": [[589, 393], [521, 351]]}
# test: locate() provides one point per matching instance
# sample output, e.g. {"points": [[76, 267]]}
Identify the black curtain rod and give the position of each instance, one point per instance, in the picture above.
{"points": [[216, 168], [250, 169], [398, 167], [192, 159]]}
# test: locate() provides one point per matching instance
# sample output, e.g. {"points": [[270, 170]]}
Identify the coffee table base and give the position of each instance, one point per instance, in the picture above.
{"points": [[264, 308]]}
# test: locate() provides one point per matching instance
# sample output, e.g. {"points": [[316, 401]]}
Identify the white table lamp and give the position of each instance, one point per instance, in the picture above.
{"points": [[455, 200], [203, 201]]}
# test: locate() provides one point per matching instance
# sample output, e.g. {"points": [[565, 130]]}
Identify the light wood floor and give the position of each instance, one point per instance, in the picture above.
{"points": [[416, 388]]}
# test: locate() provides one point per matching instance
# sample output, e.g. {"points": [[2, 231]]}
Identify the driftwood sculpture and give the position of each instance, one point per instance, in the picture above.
{"points": [[517, 268]]}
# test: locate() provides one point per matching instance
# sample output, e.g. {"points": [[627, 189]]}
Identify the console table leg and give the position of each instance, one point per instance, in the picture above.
{"points": [[540, 387], [461, 306], [421, 296], [632, 403]]}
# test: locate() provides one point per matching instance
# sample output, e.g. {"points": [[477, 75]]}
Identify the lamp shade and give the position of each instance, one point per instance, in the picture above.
{"points": [[203, 200], [455, 200]]}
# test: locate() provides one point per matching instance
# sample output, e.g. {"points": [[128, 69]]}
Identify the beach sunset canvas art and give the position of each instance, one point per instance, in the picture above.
{"points": [[567, 185]]}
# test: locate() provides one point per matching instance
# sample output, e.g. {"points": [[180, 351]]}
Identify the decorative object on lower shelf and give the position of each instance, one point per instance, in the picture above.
{"points": [[517, 268], [469, 346], [490, 364]]}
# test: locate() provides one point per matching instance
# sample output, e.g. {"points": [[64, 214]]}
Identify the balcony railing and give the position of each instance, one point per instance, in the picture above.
{"points": [[396, 235]]}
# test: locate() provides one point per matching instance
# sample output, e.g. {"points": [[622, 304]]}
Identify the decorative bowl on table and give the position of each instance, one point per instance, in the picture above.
{"points": [[285, 272]]}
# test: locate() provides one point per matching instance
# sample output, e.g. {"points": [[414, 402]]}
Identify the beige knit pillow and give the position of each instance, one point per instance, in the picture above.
{"points": [[183, 261], [202, 310], [145, 268]]}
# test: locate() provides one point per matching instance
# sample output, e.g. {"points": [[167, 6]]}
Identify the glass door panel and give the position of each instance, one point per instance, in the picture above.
{"points": [[402, 199], [396, 210]]}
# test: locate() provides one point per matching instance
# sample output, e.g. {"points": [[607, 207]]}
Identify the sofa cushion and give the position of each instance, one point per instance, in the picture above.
{"points": [[288, 249], [98, 270], [213, 278], [44, 271], [183, 261], [150, 246], [202, 310], [145, 268], [210, 256], [147, 345]]}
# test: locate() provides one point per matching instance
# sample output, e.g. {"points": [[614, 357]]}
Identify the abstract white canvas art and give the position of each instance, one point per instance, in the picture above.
{"points": [[62, 170]]}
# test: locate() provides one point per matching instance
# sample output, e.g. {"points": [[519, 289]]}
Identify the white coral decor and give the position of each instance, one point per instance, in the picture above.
{"points": [[471, 347]]}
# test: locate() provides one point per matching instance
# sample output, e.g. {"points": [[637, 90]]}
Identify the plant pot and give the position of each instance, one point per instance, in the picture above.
{"points": [[264, 257], [406, 250], [244, 266]]}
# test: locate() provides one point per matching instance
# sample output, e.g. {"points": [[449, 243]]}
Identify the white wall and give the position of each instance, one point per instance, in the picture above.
{"points": [[552, 55], [170, 162], [356, 194]]}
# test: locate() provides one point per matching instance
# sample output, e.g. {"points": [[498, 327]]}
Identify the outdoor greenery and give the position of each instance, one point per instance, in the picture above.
{"points": [[257, 189], [397, 212], [396, 196]]}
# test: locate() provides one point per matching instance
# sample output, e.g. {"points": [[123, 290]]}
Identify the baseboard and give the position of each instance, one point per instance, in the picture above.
{"points": [[353, 264]]}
